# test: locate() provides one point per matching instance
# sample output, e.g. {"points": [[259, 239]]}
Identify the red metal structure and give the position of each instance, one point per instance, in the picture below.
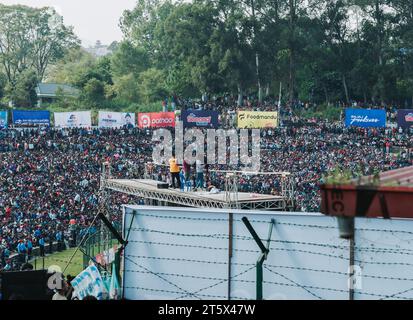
{"points": [[390, 195]]}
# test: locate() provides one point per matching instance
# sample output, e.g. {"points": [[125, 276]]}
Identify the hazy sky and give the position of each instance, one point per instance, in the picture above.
{"points": [[92, 19]]}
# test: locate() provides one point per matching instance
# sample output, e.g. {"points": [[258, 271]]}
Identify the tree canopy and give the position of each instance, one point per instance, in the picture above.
{"points": [[321, 51], [30, 41]]}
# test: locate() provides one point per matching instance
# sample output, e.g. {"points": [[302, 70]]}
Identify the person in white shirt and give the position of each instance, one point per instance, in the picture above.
{"points": [[199, 174]]}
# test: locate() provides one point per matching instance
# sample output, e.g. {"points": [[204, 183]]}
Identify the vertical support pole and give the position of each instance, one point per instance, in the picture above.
{"points": [[230, 250], [264, 253], [351, 274], [259, 277], [351, 260]]}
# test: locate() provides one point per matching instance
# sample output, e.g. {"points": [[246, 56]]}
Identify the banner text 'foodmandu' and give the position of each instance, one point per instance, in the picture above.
{"points": [[257, 119]]}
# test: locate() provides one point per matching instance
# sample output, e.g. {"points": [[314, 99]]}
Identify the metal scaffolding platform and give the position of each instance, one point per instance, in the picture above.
{"points": [[147, 189]]}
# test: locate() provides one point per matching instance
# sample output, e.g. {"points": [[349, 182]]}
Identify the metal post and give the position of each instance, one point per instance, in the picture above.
{"points": [[230, 249], [264, 253], [259, 278], [351, 260], [351, 288]]}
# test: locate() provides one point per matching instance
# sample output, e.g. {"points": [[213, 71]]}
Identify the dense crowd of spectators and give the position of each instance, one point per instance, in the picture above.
{"points": [[49, 179]]}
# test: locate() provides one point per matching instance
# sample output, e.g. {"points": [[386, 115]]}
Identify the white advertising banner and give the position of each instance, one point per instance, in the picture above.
{"points": [[109, 119], [76, 119]]}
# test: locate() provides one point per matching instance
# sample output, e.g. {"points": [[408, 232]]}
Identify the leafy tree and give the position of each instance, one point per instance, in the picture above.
{"points": [[126, 88], [93, 92], [31, 39], [129, 59], [152, 85], [23, 93]]}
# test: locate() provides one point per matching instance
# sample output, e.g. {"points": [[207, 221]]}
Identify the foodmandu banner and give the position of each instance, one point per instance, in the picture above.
{"points": [[3, 119], [116, 119], [28, 117], [79, 119], [200, 118], [257, 119], [405, 118], [156, 120], [366, 118]]}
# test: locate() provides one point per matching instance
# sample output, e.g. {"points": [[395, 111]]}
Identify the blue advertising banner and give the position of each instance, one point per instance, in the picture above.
{"points": [[3, 119], [366, 118], [405, 118], [26, 117], [200, 118]]}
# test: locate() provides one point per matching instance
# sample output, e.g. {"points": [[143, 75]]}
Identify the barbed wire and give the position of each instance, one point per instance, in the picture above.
{"points": [[162, 278], [192, 260], [237, 250], [400, 251], [269, 221], [176, 292], [397, 263], [223, 281], [237, 237], [191, 246], [309, 289], [292, 281], [326, 289], [397, 294]]}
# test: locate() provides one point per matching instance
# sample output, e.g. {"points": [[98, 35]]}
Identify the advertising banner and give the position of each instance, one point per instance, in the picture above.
{"points": [[156, 120], [116, 119], [3, 119], [76, 119], [200, 118], [28, 117], [257, 119], [405, 118], [366, 118]]}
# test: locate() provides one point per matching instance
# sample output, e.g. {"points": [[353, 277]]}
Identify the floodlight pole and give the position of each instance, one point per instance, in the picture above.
{"points": [[265, 250]]}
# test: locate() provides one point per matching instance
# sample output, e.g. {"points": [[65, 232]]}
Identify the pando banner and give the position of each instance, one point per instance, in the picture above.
{"points": [[116, 119], [156, 120], [3, 119], [28, 117], [79, 119], [257, 119], [200, 118], [405, 118], [366, 118]]}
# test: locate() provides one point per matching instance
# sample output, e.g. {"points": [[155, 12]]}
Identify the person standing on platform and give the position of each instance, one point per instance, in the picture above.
{"points": [[199, 166], [187, 171], [174, 170]]}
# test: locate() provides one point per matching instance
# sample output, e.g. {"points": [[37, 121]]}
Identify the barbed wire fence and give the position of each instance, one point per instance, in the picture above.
{"points": [[278, 277]]}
